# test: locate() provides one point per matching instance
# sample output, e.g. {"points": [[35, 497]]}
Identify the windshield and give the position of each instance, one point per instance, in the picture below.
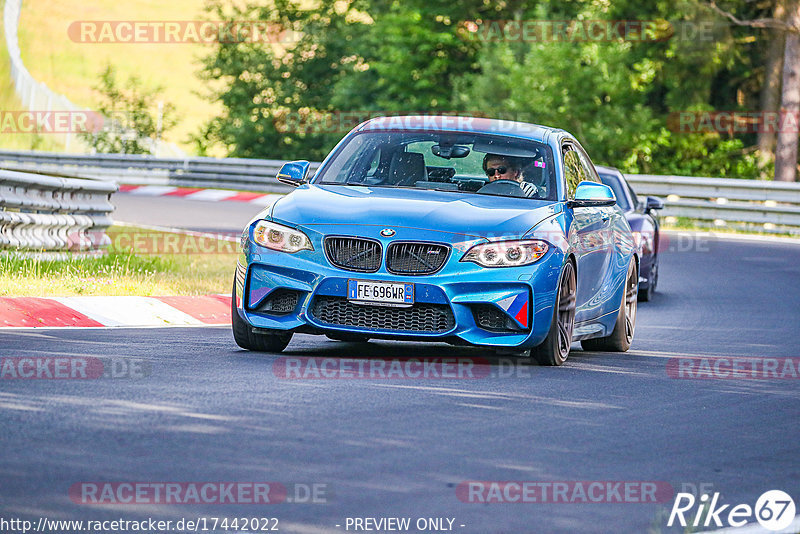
{"points": [[444, 161]]}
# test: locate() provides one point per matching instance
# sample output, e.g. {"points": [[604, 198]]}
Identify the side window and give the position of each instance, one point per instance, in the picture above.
{"points": [[633, 195], [574, 172], [590, 172]]}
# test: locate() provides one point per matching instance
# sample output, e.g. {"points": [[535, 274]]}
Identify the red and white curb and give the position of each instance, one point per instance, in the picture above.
{"points": [[213, 195], [36, 312]]}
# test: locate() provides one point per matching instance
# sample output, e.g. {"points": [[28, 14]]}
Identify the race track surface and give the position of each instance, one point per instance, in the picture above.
{"points": [[198, 215]]}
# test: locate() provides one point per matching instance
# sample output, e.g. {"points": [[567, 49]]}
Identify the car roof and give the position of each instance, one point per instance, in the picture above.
{"points": [[602, 169], [522, 130]]}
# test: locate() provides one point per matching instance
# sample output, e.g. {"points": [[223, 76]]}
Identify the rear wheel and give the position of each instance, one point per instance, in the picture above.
{"points": [[622, 335], [271, 341], [555, 347]]}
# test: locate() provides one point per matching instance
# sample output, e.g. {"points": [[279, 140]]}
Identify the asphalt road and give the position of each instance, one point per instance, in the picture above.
{"points": [[183, 213], [208, 411]]}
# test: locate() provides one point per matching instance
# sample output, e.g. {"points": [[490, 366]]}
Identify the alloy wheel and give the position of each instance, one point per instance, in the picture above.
{"points": [[566, 310]]}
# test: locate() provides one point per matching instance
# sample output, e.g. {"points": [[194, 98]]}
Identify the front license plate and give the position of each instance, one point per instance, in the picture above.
{"points": [[383, 292]]}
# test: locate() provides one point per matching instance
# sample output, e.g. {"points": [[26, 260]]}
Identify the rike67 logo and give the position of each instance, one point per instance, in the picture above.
{"points": [[774, 510]]}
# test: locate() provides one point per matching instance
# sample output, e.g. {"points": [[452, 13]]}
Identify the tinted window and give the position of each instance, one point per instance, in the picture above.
{"points": [[618, 188], [588, 168], [633, 195], [574, 172]]}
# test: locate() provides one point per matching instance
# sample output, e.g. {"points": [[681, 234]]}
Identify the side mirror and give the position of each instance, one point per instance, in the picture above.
{"points": [[293, 173], [653, 203], [592, 194]]}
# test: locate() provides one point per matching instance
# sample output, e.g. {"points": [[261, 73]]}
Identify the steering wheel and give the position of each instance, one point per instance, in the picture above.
{"points": [[503, 187]]}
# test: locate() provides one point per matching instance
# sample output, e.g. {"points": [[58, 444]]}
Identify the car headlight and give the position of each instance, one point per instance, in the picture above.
{"points": [[281, 238], [506, 253]]}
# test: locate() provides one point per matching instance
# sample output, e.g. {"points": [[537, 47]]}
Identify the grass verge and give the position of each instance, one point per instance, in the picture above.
{"points": [[9, 101], [72, 68], [139, 262]]}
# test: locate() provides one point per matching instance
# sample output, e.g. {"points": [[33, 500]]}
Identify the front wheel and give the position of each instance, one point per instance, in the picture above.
{"points": [[555, 347], [622, 335], [245, 338]]}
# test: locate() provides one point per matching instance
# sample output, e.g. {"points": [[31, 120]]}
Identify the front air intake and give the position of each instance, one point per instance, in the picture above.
{"points": [[416, 258], [354, 253]]}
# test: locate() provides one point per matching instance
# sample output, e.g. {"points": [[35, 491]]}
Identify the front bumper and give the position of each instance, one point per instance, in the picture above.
{"points": [[462, 303]]}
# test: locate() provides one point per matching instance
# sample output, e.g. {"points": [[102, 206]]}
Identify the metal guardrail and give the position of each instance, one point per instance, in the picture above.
{"points": [[49, 213], [231, 173], [723, 201]]}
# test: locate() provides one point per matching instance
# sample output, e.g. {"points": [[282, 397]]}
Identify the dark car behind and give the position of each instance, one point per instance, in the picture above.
{"points": [[643, 219]]}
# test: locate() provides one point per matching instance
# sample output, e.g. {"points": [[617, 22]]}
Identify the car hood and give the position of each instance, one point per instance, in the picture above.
{"points": [[338, 206]]}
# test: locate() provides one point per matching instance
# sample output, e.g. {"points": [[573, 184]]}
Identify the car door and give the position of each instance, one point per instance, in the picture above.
{"points": [[592, 235]]}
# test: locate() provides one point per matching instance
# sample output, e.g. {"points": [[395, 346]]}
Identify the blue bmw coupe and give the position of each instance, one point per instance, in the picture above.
{"points": [[470, 231]]}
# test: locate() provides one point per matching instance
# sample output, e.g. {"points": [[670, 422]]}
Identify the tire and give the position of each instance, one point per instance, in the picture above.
{"points": [[554, 350], [246, 339], [646, 295], [622, 335], [349, 338]]}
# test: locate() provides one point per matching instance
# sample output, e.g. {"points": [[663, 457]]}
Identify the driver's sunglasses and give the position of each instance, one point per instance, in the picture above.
{"points": [[491, 170]]}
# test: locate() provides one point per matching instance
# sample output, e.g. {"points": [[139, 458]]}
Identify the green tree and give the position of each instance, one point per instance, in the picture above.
{"points": [[616, 96], [131, 112], [368, 57], [356, 57]]}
